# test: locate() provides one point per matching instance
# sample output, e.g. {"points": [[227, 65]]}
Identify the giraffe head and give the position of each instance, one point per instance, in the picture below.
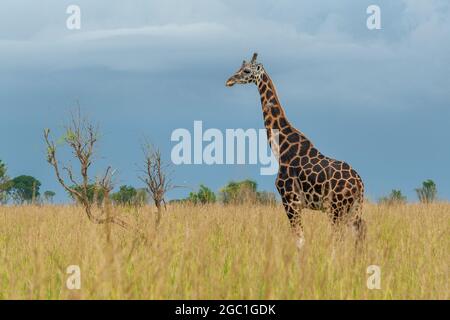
{"points": [[249, 72]]}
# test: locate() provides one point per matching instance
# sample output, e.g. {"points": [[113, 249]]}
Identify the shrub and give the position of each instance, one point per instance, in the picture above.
{"points": [[245, 192], [203, 196], [49, 195], [125, 196], [428, 192], [395, 197], [94, 194]]}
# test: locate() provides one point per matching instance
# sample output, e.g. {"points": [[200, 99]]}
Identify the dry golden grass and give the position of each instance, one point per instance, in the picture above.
{"points": [[215, 252]]}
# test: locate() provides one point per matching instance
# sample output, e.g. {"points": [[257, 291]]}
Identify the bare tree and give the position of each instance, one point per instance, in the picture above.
{"points": [[81, 137], [156, 177]]}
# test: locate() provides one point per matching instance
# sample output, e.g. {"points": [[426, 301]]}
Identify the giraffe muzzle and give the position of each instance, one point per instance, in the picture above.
{"points": [[230, 82]]}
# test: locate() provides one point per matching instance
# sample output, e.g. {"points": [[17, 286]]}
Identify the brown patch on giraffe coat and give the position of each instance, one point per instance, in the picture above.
{"points": [[275, 111], [317, 168], [304, 160], [295, 162], [286, 130], [304, 147], [283, 122], [289, 153], [293, 137], [321, 177], [313, 152]]}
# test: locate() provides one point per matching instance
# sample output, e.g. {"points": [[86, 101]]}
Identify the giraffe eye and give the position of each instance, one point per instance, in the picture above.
{"points": [[247, 71]]}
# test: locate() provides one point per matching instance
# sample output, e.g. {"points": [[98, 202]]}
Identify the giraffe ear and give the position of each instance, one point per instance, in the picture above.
{"points": [[243, 63], [255, 55]]}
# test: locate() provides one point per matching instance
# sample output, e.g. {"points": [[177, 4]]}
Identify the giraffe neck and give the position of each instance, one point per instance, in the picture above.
{"points": [[273, 112], [275, 119]]}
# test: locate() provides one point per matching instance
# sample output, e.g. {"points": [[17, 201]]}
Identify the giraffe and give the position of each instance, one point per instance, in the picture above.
{"points": [[306, 178]]}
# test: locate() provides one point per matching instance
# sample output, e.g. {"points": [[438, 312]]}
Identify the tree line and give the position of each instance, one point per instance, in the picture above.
{"points": [[235, 192], [27, 189], [21, 189], [81, 137], [426, 193]]}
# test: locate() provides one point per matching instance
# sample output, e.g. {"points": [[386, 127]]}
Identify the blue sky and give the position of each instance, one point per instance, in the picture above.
{"points": [[378, 99]]}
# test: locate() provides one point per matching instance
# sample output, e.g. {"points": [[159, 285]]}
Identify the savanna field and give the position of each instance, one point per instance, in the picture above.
{"points": [[222, 252]]}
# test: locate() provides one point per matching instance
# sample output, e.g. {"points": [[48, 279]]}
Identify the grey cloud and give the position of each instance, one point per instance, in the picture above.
{"points": [[286, 29]]}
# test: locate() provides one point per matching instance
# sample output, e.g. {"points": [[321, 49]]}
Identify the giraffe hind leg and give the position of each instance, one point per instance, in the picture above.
{"points": [[358, 224], [360, 227], [337, 217]]}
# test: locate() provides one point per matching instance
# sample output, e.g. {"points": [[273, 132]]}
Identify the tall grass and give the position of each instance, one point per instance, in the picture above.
{"points": [[216, 252]]}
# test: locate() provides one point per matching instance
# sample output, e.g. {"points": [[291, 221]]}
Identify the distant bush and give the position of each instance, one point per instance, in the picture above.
{"points": [[245, 192], [395, 197], [239, 192], [203, 196], [48, 196], [125, 196], [95, 193], [128, 195], [428, 192]]}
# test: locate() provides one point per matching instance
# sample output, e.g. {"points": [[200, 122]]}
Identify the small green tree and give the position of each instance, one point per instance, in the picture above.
{"points": [[203, 196], [95, 193], [4, 183], [48, 196], [239, 192], [24, 189], [125, 196], [395, 197], [428, 192]]}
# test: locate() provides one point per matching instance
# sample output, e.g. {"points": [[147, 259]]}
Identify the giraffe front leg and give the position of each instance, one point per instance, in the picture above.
{"points": [[298, 230], [294, 212]]}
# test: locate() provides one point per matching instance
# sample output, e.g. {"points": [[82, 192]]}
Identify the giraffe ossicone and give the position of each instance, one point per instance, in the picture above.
{"points": [[306, 179]]}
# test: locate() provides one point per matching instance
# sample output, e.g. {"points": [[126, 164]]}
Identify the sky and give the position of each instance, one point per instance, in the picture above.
{"points": [[378, 99]]}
